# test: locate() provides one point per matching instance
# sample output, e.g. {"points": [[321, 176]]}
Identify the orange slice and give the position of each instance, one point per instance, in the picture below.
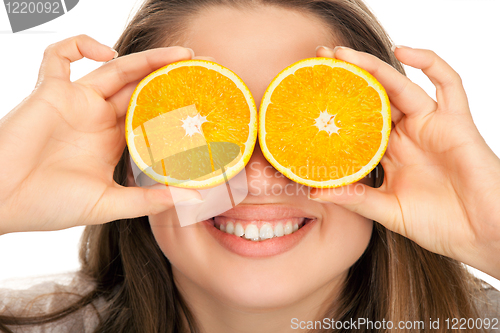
{"points": [[191, 124], [324, 122]]}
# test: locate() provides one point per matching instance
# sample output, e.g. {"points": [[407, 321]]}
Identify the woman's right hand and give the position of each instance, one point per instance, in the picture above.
{"points": [[60, 146]]}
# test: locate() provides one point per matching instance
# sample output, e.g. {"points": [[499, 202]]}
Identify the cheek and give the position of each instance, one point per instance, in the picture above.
{"points": [[181, 245], [317, 265], [345, 236]]}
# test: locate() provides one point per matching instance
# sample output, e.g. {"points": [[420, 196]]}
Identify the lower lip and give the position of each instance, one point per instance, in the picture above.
{"points": [[267, 248]]}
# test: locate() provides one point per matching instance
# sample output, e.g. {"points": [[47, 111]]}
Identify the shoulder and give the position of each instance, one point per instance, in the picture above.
{"points": [[488, 306], [48, 294]]}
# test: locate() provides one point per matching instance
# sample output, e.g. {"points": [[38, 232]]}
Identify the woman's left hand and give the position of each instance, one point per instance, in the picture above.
{"points": [[442, 181]]}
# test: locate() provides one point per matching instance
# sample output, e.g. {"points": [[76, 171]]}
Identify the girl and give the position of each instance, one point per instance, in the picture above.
{"points": [[434, 198]]}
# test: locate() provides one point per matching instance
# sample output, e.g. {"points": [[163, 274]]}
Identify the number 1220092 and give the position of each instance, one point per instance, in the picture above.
{"points": [[32, 7]]}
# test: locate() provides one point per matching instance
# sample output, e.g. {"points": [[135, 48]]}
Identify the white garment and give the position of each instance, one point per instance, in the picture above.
{"points": [[25, 297], [41, 295]]}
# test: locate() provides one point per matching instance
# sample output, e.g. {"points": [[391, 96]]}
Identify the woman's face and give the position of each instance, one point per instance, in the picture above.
{"points": [[305, 266]]}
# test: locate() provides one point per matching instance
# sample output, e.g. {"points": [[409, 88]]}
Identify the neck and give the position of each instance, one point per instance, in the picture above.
{"points": [[215, 316]]}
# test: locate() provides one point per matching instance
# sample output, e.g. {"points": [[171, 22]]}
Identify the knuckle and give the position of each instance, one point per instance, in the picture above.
{"points": [[74, 39], [155, 210], [429, 54], [78, 38], [401, 88], [83, 37], [122, 75], [377, 67], [432, 53], [374, 64], [449, 75], [451, 78], [50, 50], [154, 207]]}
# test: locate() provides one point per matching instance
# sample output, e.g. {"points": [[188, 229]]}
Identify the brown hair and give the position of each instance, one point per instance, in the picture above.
{"points": [[395, 279]]}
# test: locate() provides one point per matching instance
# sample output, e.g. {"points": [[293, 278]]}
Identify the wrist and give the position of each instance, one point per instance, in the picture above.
{"points": [[485, 258]]}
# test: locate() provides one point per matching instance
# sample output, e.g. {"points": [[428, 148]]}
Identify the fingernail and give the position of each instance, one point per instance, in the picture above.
{"points": [[188, 202], [339, 48], [394, 47], [315, 199], [325, 47], [185, 196], [116, 53], [319, 200], [192, 52]]}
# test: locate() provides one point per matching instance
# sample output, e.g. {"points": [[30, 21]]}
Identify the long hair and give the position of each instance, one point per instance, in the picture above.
{"points": [[394, 280]]}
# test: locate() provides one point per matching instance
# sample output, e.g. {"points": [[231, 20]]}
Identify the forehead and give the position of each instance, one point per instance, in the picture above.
{"points": [[256, 43]]}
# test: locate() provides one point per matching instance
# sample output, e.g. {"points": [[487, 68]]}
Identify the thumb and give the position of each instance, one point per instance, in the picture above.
{"points": [[121, 202], [364, 200]]}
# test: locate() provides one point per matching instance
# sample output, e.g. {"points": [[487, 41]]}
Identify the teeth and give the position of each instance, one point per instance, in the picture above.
{"points": [[278, 230], [252, 232], [266, 231], [238, 230], [230, 227]]}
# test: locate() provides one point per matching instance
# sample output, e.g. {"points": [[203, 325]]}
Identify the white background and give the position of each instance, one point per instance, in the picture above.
{"points": [[463, 32]]}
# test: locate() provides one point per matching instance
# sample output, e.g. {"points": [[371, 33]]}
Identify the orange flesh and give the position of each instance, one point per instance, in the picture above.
{"points": [[295, 141], [215, 97]]}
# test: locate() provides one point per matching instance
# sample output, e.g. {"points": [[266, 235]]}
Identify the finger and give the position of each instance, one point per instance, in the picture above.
{"points": [[58, 57], [121, 99], [450, 92], [396, 114], [364, 200], [408, 97], [121, 125], [114, 75], [116, 202]]}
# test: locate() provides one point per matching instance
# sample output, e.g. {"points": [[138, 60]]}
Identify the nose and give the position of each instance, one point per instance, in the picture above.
{"points": [[262, 178]]}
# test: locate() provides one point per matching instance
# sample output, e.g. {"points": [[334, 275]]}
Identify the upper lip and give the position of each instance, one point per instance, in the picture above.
{"points": [[267, 212]]}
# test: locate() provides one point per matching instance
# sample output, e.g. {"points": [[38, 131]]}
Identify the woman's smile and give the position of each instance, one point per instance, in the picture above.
{"points": [[260, 230]]}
